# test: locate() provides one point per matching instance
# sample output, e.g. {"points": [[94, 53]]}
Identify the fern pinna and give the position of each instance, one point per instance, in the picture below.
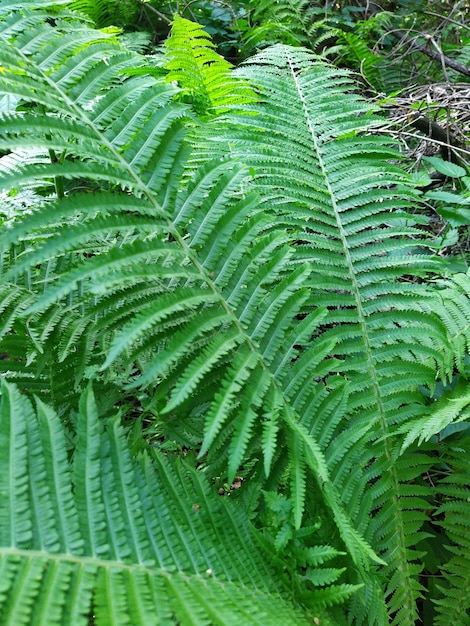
{"points": [[250, 279]]}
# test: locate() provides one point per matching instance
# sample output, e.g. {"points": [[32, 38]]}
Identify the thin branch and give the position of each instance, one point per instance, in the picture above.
{"points": [[436, 56], [448, 19], [162, 16], [404, 133]]}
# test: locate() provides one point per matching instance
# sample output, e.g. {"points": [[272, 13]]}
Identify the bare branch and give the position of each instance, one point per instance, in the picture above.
{"points": [[436, 56], [162, 16]]}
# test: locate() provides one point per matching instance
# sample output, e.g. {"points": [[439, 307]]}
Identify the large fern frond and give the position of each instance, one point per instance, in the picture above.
{"points": [[118, 539], [186, 287], [275, 307], [315, 160]]}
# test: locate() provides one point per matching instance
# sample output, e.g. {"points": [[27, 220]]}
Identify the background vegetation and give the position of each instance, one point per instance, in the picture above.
{"points": [[235, 316]]}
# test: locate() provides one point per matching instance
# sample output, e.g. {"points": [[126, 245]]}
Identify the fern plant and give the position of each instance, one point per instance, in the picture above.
{"points": [[247, 281], [292, 22], [105, 13], [452, 514], [351, 231]]}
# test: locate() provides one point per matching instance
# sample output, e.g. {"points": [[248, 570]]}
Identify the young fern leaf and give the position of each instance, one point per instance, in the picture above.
{"points": [[202, 74]]}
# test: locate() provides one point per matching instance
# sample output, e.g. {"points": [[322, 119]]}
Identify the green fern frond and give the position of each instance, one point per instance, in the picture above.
{"points": [[453, 516], [451, 308], [47, 354], [197, 258], [12, 5], [117, 537], [356, 54], [451, 408], [106, 12], [261, 281], [291, 22], [202, 74], [323, 171], [357, 50]]}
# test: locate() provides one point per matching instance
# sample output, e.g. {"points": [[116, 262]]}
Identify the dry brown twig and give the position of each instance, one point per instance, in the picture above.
{"points": [[437, 117]]}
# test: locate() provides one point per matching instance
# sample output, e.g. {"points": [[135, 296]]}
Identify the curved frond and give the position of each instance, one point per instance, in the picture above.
{"points": [[318, 162], [121, 538], [261, 282], [207, 249]]}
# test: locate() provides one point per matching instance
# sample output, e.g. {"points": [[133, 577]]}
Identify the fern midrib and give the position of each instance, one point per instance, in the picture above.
{"points": [[365, 335], [82, 560], [352, 274], [85, 561]]}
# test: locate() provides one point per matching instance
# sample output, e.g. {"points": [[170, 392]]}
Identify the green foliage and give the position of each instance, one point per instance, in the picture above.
{"points": [[452, 204], [123, 538], [454, 515], [246, 278], [105, 13], [293, 22], [327, 33], [356, 232], [202, 74]]}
